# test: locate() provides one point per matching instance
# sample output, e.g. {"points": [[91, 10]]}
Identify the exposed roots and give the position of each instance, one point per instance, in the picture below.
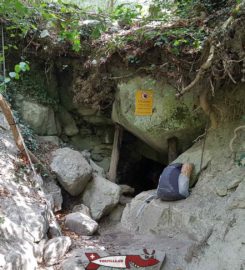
{"points": [[200, 73]]}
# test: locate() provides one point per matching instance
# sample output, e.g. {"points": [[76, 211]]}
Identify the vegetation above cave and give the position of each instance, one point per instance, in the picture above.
{"points": [[187, 41]]}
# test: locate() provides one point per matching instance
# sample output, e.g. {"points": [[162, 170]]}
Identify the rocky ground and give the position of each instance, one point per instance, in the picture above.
{"points": [[203, 231]]}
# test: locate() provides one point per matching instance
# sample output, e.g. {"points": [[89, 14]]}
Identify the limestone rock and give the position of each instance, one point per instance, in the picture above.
{"points": [[237, 200], [97, 169], [193, 155], [124, 200], [54, 229], [3, 122], [101, 196], [38, 249], [72, 170], [40, 118], [82, 209], [81, 223], [50, 139], [53, 194], [21, 257], [170, 117], [74, 263], [221, 191], [116, 213], [55, 249], [159, 217], [67, 122]]}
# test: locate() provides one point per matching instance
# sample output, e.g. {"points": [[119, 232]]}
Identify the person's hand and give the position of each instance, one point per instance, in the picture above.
{"points": [[187, 169]]}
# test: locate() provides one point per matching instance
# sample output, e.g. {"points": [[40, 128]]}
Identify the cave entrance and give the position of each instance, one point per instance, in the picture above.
{"points": [[139, 165]]}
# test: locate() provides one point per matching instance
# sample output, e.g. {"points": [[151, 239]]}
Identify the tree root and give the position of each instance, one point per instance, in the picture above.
{"points": [[200, 73]]}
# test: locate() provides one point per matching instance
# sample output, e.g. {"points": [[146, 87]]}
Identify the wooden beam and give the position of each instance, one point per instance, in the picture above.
{"points": [[112, 175]]}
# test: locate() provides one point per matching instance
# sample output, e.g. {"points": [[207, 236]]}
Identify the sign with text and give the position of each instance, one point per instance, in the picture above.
{"points": [[143, 102]]}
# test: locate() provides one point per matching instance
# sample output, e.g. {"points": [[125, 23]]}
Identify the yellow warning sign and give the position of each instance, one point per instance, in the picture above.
{"points": [[143, 102]]}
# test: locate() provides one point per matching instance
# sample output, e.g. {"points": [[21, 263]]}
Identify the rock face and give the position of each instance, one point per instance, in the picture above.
{"points": [[53, 194], [55, 249], [101, 196], [40, 118], [81, 223], [211, 216], [67, 122], [72, 170], [24, 216], [194, 156], [170, 117], [72, 264]]}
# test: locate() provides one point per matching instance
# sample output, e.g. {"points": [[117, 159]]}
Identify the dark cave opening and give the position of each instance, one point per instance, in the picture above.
{"points": [[137, 169]]}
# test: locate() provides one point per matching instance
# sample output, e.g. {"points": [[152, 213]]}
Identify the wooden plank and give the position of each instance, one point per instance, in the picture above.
{"points": [[112, 175]]}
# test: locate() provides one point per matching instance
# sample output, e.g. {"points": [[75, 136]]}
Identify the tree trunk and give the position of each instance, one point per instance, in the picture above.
{"points": [[15, 130], [112, 175]]}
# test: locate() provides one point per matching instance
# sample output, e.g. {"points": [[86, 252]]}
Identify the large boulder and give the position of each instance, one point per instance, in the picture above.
{"points": [[81, 224], [164, 217], [72, 170], [40, 118], [101, 196], [170, 118]]}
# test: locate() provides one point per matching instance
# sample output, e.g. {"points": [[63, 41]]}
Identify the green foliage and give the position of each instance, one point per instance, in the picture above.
{"points": [[34, 87], [161, 9], [178, 38], [18, 69], [132, 59], [28, 16], [126, 13]]}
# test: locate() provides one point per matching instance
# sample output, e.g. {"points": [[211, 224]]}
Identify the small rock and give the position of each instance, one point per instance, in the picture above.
{"points": [[81, 224], [101, 196], [72, 170], [221, 191], [55, 249], [82, 209]]}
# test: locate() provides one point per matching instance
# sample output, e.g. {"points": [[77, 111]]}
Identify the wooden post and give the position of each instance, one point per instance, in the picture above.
{"points": [[112, 175], [172, 149]]}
